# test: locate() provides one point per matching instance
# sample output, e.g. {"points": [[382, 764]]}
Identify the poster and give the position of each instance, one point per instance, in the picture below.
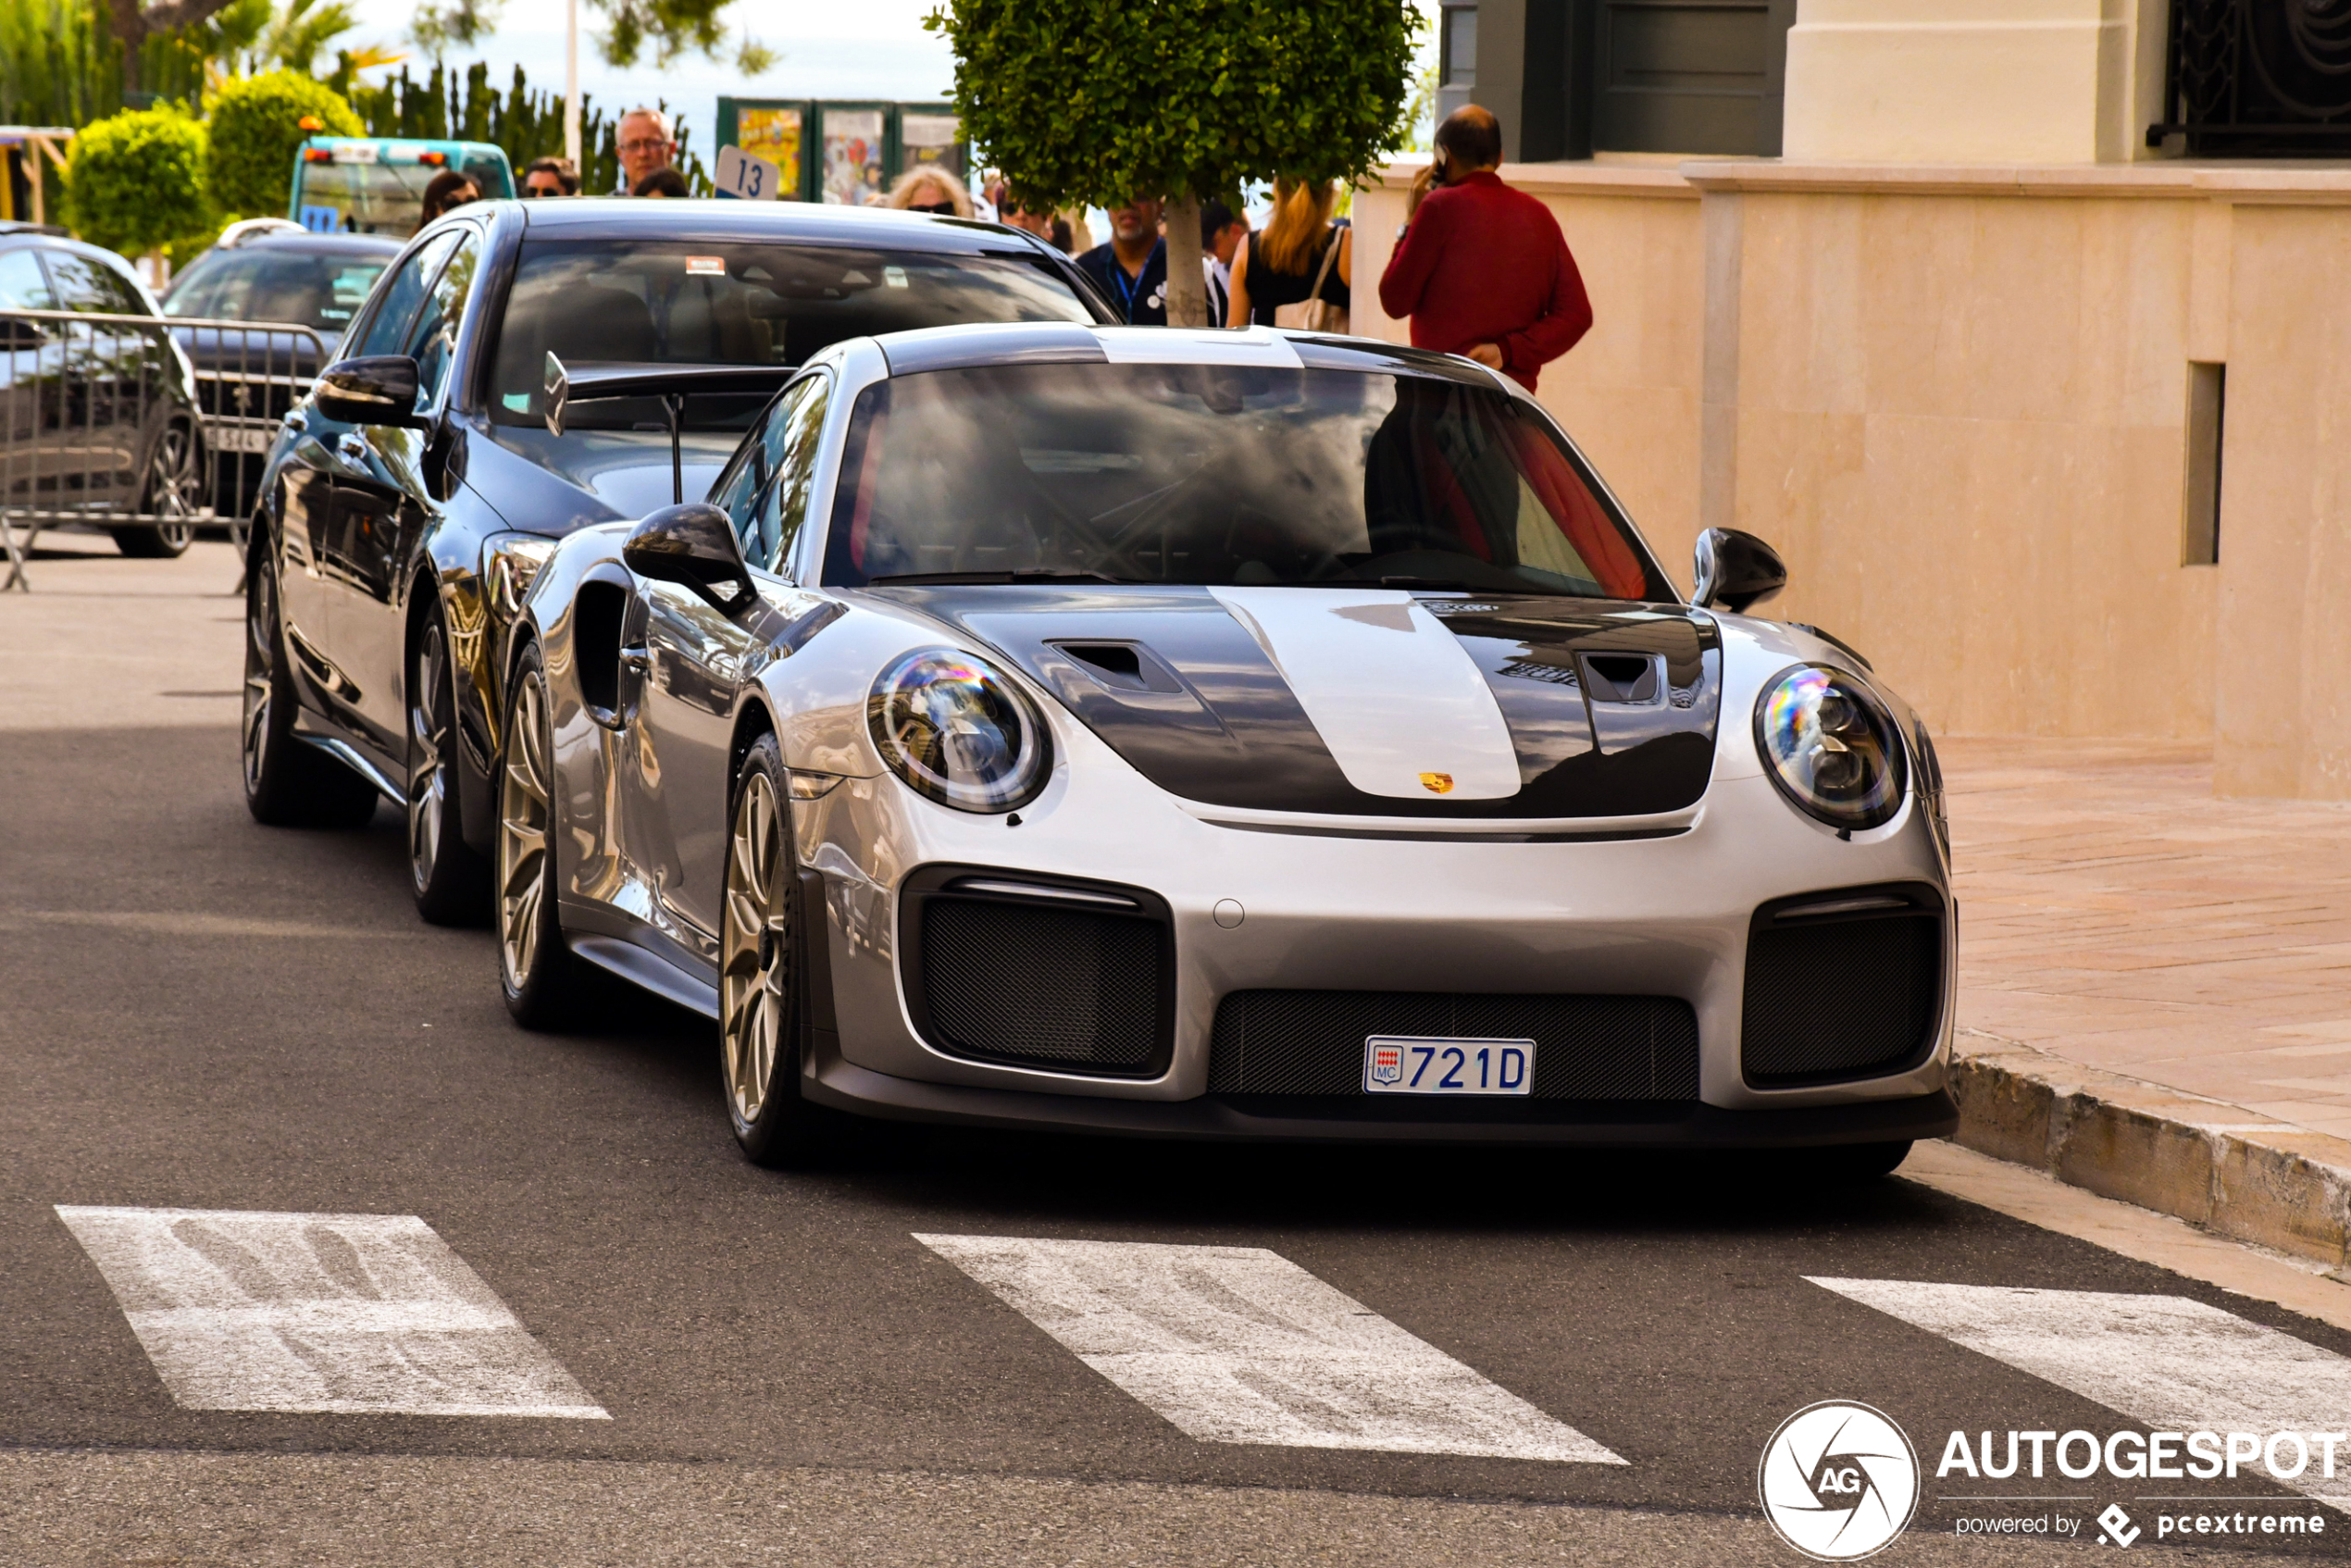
{"points": [[852, 169], [773, 133], [931, 139]]}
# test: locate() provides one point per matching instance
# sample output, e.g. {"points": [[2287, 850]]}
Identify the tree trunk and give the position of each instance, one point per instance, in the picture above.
{"points": [[130, 31], [1186, 287]]}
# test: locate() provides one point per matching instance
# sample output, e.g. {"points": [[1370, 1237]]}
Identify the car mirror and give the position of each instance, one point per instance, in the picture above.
{"points": [[1735, 570], [379, 390], [694, 545]]}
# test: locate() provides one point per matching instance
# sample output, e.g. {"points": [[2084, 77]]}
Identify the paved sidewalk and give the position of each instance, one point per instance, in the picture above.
{"points": [[2155, 984]]}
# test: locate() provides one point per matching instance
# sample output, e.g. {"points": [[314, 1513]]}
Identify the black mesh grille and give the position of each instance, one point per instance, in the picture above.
{"points": [[1840, 998], [1059, 988], [1586, 1047]]}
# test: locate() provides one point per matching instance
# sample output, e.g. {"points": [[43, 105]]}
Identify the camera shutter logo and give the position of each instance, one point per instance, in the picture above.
{"points": [[1838, 1481]]}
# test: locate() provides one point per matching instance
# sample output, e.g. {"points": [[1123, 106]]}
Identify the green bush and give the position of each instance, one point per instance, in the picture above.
{"points": [[136, 181], [256, 128]]}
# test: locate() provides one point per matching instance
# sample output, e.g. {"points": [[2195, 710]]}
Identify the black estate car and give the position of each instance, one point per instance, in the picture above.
{"points": [[411, 497], [247, 381], [98, 421]]}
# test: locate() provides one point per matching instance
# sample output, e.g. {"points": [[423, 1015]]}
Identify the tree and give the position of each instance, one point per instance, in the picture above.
{"points": [[257, 130], [135, 181], [133, 23], [1095, 101], [674, 28]]}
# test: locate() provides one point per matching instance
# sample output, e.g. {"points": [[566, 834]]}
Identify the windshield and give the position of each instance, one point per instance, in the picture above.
{"points": [[275, 285], [1223, 476], [385, 197], [708, 302]]}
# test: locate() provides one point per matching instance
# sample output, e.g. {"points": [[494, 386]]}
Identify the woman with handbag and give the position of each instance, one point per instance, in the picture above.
{"points": [[1295, 272]]}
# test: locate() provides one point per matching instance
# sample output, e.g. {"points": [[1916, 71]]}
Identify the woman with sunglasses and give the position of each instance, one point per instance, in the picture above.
{"points": [[928, 188]]}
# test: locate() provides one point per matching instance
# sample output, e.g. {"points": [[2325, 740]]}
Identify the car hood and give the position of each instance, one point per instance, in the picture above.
{"points": [[1371, 701], [550, 484]]}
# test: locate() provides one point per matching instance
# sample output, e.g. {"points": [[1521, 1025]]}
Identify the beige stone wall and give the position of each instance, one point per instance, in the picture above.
{"points": [[2284, 644], [1956, 399]]}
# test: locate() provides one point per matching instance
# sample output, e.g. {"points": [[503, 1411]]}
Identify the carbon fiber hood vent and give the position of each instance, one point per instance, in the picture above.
{"points": [[1610, 708]]}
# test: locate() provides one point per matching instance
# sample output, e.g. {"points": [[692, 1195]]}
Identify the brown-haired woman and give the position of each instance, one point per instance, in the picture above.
{"points": [[1278, 264]]}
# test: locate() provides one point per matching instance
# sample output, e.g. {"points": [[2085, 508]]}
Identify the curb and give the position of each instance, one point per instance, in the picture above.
{"points": [[2218, 1166]]}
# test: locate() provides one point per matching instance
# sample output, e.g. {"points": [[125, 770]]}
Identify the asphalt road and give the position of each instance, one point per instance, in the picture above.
{"points": [[201, 1013]]}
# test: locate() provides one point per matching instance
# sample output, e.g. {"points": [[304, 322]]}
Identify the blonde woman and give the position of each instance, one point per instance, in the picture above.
{"points": [[1276, 267], [928, 188]]}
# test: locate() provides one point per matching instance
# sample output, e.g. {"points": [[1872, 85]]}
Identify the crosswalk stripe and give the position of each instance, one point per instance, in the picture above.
{"points": [[2169, 1362], [349, 1313], [1239, 1345]]}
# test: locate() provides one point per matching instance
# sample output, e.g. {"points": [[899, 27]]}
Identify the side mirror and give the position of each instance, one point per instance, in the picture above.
{"points": [[380, 390], [1735, 570], [693, 544]]}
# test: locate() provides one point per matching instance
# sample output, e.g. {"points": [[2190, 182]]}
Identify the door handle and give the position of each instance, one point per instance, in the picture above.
{"points": [[297, 420], [636, 658], [351, 449]]}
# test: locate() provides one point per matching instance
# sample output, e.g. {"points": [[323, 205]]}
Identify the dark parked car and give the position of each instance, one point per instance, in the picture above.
{"points": [[266, 271], [411, 498], [97, 420]]}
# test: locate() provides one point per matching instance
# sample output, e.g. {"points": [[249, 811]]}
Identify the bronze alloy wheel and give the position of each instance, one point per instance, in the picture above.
{"points": [[760, 986], [526, 834], [755, 977]]}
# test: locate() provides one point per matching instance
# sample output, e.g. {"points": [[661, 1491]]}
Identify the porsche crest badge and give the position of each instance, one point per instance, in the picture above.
{"points": [[1437, 783]]}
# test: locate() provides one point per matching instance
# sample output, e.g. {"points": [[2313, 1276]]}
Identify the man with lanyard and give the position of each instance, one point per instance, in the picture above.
{"points": [[1131, 270]]}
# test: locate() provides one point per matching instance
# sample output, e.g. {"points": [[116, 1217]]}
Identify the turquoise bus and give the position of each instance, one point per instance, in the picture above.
{"points": [[376, 184]]}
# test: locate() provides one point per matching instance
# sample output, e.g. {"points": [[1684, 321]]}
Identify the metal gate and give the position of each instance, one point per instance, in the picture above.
{"points": [[142, 426]]}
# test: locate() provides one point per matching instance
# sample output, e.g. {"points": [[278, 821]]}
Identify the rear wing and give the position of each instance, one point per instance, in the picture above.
{"points": [[671, 383]]}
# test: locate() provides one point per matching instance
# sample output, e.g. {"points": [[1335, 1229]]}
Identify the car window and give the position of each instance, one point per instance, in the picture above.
{"points": [[433, 344], [84, 284], [22, 284], [789, 449], [323, 292], [1227, 475], [737, 302], [193, 292], [398, 297]]}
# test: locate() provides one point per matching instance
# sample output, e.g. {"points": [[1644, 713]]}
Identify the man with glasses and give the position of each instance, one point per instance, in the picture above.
{"points": [[551, 176], [646, 148]]}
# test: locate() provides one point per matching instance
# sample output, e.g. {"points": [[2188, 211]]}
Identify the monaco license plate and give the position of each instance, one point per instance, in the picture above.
{"points": [[1430, 1065]]}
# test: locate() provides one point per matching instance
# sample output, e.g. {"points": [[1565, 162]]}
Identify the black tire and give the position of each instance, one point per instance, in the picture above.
{"points": [[287, 783], [536, 973], [174, 489], [450, 880], [762, 1005]]}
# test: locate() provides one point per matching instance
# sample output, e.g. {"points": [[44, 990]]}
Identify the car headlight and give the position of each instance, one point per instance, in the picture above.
{"points": [[958, 732], [1831, 747], [508, 567]]}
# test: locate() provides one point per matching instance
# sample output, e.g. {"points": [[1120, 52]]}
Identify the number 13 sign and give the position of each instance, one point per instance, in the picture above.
{"points": [[753, 179]]}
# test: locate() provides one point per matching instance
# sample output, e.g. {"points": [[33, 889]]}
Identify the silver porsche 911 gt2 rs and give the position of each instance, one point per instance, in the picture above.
{"points": [[1219, 735]]}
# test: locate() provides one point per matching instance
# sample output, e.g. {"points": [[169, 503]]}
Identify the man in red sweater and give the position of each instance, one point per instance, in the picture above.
{"points": [[1483, 269]]}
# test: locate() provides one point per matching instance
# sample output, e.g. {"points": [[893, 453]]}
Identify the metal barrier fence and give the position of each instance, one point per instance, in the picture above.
{"points": [[144, 426]]}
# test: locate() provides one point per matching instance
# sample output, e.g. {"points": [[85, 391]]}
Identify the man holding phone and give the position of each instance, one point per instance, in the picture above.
{"points": [[1482, 270]]}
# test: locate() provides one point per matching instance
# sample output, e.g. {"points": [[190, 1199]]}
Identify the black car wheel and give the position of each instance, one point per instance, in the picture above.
{"points": [[450, 882], [536, 971], [174, 491], [760, 995], [288, 784]]}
